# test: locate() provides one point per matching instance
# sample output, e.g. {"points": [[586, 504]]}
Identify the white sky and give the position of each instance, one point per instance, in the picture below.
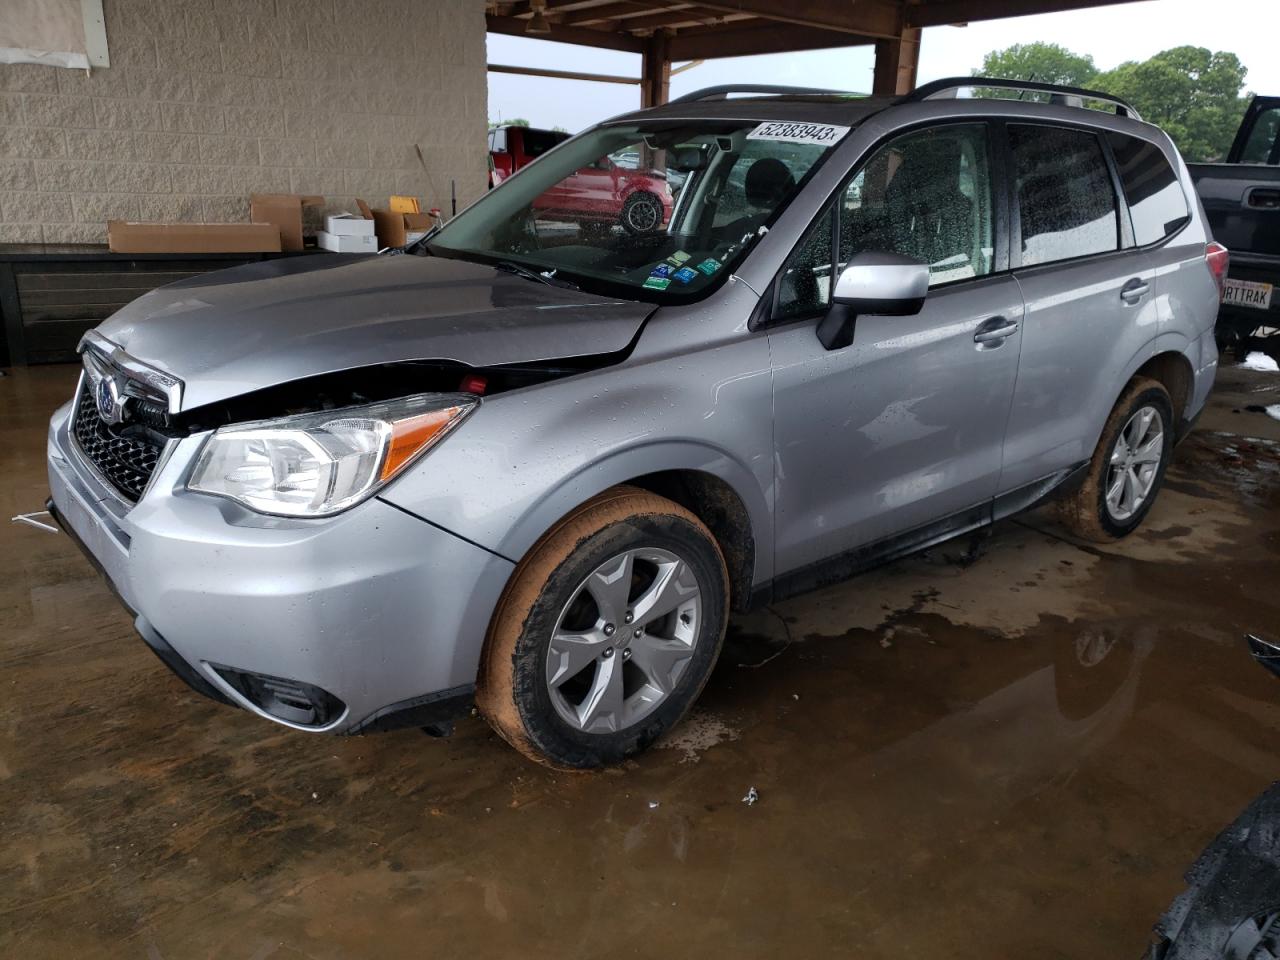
{"points": [[1130, 31]]}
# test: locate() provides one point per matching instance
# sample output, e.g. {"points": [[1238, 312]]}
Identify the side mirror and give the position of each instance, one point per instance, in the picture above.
{"points": [[880, 284]]}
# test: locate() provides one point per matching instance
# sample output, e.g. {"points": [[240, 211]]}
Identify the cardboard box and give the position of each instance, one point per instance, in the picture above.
{"points": [[126, 237], [397, 229], [348, 225], [347, 243], [284, 210]]}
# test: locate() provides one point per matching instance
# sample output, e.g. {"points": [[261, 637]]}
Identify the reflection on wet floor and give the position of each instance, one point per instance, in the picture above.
{"points": [[1013, 755]]}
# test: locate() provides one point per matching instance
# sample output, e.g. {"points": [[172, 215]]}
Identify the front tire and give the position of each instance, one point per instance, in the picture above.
{"points": [[606, 633], [1128, 466], [642, 213]]}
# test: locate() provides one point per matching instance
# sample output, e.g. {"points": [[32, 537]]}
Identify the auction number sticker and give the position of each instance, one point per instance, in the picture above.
{"points": [[824, 134]]}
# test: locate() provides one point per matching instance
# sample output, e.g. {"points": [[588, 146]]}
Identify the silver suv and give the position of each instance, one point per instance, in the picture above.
{"points": [[534, 461]]}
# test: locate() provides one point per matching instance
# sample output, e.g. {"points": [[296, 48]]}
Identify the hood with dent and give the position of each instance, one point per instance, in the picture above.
{"points": [[233, 331]]}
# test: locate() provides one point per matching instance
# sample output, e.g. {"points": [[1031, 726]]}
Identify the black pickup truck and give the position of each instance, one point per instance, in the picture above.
{"points": [[1241, 198]]}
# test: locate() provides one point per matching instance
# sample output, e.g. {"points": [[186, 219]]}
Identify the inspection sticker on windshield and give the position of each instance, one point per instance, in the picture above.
{"points": [[657, 283], [661, 270], [820, 133]]}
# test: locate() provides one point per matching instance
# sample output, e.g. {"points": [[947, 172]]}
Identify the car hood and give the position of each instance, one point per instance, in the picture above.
{"points": [[232, 331]]}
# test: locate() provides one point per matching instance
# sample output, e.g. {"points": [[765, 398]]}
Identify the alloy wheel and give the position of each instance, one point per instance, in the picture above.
{"points": [[1135, 463], [622, 642], [643, 216]]}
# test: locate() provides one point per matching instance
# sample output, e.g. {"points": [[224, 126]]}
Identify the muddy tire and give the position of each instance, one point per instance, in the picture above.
{"points": [[642, 213], [1128, 466], [606, 633]]}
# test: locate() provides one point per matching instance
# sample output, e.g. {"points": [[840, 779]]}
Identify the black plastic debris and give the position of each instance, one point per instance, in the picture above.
{"points": [[1266, 652], [1231, 907]]}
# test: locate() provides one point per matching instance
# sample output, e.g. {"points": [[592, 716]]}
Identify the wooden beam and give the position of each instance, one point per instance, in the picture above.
{"points": [[934, 13], [655, 71], [683, 19], [896, 63], [562, 74], [710, 43], [615, 11], [865, 18], [585, 36], [522, 8]]}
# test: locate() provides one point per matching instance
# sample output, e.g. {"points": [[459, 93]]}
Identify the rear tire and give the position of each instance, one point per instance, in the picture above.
{"points": [[1128, 466], [606, 633]]}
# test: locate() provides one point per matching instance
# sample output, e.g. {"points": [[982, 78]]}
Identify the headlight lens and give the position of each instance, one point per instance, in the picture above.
{"points": [[320, 464]]}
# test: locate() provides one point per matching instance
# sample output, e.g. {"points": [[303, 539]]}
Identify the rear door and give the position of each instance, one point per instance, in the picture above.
{"points": [[898, 435], [1090, 297]]}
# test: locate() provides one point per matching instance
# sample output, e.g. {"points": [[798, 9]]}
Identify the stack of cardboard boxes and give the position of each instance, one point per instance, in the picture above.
{"points": [[276, 226], [347, 233]]}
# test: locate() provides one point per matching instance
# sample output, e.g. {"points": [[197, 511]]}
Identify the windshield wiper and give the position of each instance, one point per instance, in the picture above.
{"points": [[548, 276]]}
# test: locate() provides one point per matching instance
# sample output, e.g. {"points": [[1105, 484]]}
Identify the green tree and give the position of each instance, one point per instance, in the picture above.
{"points": [[1042, 62], [1191, 92]]}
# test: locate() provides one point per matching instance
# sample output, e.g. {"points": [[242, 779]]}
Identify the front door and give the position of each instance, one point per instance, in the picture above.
{"points": [[902, 431]]}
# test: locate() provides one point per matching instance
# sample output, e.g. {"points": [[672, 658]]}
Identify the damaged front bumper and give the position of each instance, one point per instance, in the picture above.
{"points": [[371, 619]]}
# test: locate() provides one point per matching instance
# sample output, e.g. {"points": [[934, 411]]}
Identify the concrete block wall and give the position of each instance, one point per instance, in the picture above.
{"points": [[207, 101]]}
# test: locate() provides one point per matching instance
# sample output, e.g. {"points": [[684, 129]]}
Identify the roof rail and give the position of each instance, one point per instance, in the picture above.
{"points": [[722, 92], [1062, 95]]}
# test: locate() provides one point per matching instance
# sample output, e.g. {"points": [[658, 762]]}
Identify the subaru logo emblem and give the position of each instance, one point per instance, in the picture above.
{"points": [[109, 400]]}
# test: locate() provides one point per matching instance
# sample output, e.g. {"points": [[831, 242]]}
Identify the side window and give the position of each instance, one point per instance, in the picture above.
{"points": [[1262, 138], [926, 195], [805, 283], [1066, 199], [499, 144], [1156, 201]]}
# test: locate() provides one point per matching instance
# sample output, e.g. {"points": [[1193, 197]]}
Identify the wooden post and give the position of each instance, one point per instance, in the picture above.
{"points": [[896, 60], [655, 71]]}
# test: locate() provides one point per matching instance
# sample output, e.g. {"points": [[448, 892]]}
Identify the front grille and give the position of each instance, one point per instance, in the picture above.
{"points": [[127, 462]]}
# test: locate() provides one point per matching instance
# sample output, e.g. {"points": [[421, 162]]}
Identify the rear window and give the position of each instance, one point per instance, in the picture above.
{"points": [[538, 142], [1156, 201], [1066, 201]]}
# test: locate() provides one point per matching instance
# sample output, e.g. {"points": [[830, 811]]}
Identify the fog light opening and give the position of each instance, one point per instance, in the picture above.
{"points": [[292, 701]]}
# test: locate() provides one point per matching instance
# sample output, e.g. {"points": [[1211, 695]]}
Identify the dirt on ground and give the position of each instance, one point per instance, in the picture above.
{"points": [[1007, 747]]}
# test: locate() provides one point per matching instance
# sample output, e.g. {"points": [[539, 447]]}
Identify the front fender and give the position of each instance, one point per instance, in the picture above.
{"points": [[617, 468], [525, 459]]}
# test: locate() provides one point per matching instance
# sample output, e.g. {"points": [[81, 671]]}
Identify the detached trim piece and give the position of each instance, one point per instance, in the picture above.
{"points": [[430, 710]]}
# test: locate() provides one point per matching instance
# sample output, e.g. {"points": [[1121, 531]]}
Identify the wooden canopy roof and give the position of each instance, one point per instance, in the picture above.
{"points": [[731, 28]]}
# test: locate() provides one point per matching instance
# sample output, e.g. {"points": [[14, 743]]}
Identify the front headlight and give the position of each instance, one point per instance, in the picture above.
{"points": [[319, 464]]}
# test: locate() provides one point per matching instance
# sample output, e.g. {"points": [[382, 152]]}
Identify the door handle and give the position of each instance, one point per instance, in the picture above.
{"points": [[1263, 198], [1134, 290], [995, 329]]}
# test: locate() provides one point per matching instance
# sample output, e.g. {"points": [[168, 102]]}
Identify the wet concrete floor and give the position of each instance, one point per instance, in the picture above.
{"points": [[1017, 756]]}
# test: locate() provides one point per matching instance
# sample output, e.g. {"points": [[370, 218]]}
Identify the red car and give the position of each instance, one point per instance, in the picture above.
{"points": [[604, 193], [513, 147]]}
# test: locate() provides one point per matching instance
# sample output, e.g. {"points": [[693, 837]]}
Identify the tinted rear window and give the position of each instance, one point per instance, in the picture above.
{"points": [[1066, 201], [1156, 201], [538, 142]]}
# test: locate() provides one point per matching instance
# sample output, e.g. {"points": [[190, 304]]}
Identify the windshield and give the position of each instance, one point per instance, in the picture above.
{"points": [[658, 211]]}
